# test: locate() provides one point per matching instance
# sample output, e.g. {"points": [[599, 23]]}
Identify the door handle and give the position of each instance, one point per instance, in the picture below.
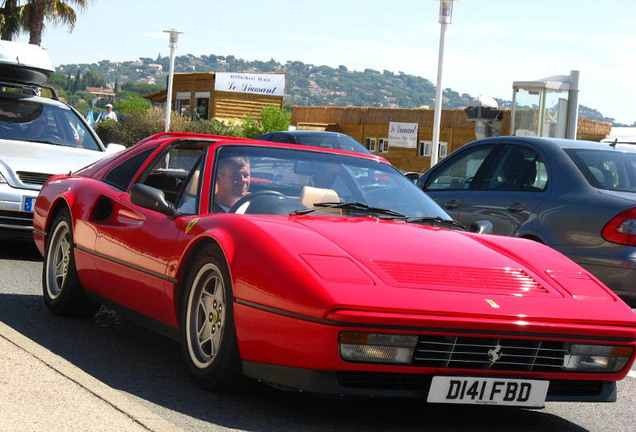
{"points": [[516, 207], [452, 204]]}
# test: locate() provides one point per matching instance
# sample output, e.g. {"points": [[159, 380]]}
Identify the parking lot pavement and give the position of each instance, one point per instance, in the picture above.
{"points": [[40, 391]]}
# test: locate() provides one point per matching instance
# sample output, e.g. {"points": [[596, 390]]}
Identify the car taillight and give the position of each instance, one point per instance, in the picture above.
{"points": [[621, 228]]}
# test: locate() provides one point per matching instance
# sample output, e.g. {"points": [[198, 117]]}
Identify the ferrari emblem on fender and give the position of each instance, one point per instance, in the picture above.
{"points": [[192, 223], [494, 354]]}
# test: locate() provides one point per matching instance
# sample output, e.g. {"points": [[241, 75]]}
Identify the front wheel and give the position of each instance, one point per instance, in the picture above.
{"points": [[208, 334], [63, 294]]}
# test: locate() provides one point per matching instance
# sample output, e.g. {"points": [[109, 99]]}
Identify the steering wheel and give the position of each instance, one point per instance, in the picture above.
{"points": [[250, 197]]}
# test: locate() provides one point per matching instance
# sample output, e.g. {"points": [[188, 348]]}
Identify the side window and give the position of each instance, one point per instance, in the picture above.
{"points": [[169, 171], [122, 174], [280, 138], [517, 168], [460, 171], [370, 144]]}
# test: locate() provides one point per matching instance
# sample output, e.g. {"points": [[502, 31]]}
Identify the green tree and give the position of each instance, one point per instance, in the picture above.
{"points": [[92, 79], [77, 82], [35, 12]]}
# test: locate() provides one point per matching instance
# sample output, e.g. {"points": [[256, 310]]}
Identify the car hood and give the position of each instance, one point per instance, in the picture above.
{"points": [[391, 266], [43, 158]]}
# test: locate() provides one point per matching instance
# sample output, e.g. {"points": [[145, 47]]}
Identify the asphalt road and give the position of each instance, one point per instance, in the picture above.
{"points": [[147, 368]]}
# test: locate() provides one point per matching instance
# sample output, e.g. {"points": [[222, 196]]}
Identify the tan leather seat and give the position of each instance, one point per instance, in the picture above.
{"points": [[311, 195], [189, 194]]}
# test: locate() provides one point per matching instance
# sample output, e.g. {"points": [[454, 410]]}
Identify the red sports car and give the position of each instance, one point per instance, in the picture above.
{"points": [[324, 271]]}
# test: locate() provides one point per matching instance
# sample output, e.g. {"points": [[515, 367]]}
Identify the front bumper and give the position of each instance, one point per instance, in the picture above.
{"points": [[295, 353], [14, 211], [401, 385]]}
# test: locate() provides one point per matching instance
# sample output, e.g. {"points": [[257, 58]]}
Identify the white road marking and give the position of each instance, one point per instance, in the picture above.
{"points": [[631, 374]]}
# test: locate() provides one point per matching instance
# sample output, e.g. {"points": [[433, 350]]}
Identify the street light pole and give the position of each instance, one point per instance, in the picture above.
{"points": [[174, 36], [445, 17]]}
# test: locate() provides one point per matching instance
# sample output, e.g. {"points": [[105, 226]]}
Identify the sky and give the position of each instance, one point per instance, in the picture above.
{"points": [[489, 45]]}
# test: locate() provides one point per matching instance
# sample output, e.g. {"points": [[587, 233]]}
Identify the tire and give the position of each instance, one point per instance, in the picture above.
{"points": [[63, 294], [208, 334]]}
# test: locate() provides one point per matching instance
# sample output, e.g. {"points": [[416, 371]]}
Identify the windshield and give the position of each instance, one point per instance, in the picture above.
{"points": [[33, 121], [606, 169], [283, 181], [331, 140]]}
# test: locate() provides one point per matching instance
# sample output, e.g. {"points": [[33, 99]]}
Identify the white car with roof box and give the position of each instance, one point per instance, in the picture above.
{"points": [[39, 136]]}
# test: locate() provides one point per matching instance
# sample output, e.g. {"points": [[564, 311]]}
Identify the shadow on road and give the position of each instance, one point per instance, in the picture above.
{"points": [[19, 250], [140, 362]]}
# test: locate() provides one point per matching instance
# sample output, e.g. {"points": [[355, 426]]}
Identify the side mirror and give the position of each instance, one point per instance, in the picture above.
{"points": [[481, 227], [413, 176], [113, 148], [152, 199]]}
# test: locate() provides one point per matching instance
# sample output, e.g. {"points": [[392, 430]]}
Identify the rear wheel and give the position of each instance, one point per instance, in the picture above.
{"points": [[62, 292], [208, 334]]}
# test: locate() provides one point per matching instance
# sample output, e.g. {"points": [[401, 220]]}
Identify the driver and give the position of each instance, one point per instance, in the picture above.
{"points": [[232, 182]]}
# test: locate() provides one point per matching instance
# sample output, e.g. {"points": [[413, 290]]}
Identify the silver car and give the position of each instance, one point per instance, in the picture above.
{"points": [[578, 197], [39, 137]]}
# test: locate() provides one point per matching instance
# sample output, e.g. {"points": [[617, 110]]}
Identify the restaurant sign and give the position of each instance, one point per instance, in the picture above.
{"points": [[264, 84], [403, 134]]}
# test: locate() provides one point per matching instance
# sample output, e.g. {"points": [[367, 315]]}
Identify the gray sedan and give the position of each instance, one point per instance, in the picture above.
{"points": [[578, 197]]}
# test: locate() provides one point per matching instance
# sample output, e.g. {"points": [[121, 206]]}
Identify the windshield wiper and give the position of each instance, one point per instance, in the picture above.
{"points": [[435, 220], [355, 206]]}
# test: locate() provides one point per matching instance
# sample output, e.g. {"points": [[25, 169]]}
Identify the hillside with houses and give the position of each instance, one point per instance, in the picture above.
{"points": [[307, 84]]}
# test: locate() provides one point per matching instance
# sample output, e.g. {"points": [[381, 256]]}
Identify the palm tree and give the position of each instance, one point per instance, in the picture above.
{"points": [[10, 19], [56, 11]]}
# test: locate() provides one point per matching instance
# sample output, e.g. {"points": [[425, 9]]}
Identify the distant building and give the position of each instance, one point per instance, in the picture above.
{"points": [[410, 148], [101, 93], [222, 95]]}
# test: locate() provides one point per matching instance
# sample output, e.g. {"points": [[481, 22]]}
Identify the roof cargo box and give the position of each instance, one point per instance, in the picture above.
{"points": [[22, 63]]}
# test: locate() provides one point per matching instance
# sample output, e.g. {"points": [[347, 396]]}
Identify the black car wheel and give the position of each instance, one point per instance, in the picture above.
{"points": [[207, 324], [62, 291]]}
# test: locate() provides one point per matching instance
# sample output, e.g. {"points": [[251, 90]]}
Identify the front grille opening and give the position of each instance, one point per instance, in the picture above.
{"points": [[16, 218], [383, 381], [489, 353], [33, 177], [421, 383]]}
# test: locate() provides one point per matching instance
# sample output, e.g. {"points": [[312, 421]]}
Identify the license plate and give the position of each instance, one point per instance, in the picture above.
{"points": [[28, 204], [488, 391]]}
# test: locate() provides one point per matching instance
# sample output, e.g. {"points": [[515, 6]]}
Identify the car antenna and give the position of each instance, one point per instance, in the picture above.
{"points": [[613, 143]]}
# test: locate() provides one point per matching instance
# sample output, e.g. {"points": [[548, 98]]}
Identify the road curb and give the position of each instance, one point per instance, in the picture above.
{"points": [[115, 398]]}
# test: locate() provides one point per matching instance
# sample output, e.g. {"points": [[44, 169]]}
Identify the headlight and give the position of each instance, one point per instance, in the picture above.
{"points": [[596, 358], [377, 347]]}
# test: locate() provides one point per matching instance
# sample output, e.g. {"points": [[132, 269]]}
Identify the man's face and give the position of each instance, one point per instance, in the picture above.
{"points": [[234, 181]]}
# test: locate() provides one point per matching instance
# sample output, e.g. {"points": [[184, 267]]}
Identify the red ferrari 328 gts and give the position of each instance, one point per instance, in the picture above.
{"points": [[324, 271]]}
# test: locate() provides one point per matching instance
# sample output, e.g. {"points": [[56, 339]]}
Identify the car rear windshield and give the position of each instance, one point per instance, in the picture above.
{"points": [[336, 141], [33, 121], [606, 169]]}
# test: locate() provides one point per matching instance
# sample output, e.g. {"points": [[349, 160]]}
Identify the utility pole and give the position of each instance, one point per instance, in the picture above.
{"points": [[174, 36]]}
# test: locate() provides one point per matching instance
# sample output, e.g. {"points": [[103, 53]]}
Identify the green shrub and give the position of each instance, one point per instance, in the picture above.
{"points": [[138, 121], [251, 127], [213, 127], [132, 104], [273, 118], [109, 132]]}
